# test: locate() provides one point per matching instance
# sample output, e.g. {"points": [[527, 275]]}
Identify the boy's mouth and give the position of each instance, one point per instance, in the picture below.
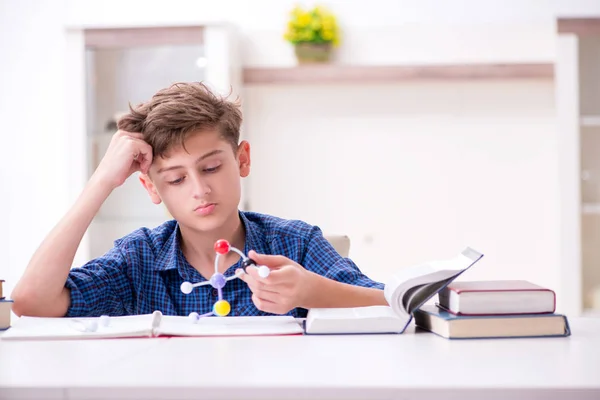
{"points": [[205, 209]]}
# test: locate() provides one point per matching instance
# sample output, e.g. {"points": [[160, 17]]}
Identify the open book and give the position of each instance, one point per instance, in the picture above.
{"points": [[148, 325], [406, 291]]}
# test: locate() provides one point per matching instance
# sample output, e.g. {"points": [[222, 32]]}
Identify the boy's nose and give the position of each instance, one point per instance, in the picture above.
{"points": [[200, 188]]}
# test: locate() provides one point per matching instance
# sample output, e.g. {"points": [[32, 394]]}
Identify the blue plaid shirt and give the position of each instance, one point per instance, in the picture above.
{"points": [[143, 272]]}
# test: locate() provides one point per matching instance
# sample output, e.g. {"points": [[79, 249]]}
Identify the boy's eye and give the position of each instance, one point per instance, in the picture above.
{"points": [[212, 169], [176, 181]]}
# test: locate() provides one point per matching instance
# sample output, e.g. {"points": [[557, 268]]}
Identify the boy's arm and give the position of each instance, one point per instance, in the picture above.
{"points": [[327, 293], [41, 290], [101, 287], [336, 281], [323, 280]]}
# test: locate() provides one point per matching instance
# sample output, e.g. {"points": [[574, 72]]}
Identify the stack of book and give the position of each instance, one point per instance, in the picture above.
{"points": [[5, 309], [493, 309]]}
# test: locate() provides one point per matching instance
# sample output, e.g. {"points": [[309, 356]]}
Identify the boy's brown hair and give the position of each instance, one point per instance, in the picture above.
{"points": [[174, 112]]}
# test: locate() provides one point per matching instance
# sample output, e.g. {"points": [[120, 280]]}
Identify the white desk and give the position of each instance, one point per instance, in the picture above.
{"points": [[409, 366]]}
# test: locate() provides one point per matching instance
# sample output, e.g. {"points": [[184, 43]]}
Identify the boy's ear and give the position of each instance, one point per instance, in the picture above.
{"points": [[243, 156], [150, 188]]}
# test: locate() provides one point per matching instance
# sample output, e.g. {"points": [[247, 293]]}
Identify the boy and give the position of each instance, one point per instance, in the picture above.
{"points": [[184, 141]]}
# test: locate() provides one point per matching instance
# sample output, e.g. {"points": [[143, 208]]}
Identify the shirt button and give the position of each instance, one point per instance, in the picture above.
{"points": [[215, 292]]}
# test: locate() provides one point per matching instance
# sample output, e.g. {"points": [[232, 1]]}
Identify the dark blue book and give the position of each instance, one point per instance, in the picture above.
{"points": [[451, 326]]}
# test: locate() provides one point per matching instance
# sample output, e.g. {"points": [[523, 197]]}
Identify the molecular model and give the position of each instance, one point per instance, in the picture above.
{"points": [[222, 307]]}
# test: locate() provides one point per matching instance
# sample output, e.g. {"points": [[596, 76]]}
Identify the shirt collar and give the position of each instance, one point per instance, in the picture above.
{"points": [[255, 236], [171, 256], [167, 258]]}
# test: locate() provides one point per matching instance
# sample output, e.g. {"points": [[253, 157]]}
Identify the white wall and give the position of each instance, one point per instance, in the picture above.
{"points": [[376, 31], [34, 109], [415, 171]]}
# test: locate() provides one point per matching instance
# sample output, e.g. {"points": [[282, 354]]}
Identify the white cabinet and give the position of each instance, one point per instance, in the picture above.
{"points": [[578, 111], [127, 66]]}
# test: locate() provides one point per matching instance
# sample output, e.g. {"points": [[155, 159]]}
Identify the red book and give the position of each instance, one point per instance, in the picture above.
{"points": [[497, 298]]}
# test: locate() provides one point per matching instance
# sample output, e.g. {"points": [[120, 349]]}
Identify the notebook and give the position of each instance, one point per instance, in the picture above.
{"points": [[497, 298], [450, 326], [148, 325], [406, 291]]}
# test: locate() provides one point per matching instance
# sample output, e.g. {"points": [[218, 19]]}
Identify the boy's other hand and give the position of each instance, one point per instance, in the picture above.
{"points": [[126, 154], [288, 285]]}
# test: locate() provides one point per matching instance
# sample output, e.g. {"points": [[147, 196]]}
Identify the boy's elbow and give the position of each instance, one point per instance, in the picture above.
{"points": [[21, 302], [26, 302]]}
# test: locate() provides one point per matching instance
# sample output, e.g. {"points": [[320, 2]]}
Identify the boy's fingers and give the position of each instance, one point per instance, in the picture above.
{"points": [[260, 283], [241, 274], [267, 296], [252, 272], [268, 260], [250, 277], [145, 164], [255, 282], [265, 305], [279, 275], [142, 154], [136, 135]]}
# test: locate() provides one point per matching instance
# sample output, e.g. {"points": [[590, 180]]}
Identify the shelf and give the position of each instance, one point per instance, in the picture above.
{"points": [[590, 208], [590, 121], [337, 73], [579, 26], [134, 37]]}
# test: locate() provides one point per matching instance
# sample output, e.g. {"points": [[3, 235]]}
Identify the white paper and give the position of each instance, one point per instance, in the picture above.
{"points": [[36, 328]]}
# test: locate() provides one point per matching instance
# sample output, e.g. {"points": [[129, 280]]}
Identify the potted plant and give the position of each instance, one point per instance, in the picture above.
{"points": [[313, 32]]}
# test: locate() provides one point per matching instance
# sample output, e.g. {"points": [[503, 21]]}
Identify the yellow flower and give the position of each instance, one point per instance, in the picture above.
{"points": [[317, 26], [327, 35], [328, 21], [303, 20], [306, 36]]}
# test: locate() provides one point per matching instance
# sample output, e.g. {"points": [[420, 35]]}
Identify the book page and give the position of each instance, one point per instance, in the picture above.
{"points": [[404, 284], [39, 328], [371, 319], [229, 326], [370, 312], [424, 293]]}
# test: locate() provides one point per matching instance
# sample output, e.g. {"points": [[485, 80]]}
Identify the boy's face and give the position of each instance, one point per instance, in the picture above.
{"points": [[200, 185]]}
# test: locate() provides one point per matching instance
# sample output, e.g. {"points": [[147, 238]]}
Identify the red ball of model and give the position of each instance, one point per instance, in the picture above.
{"points": [[222, 246]]}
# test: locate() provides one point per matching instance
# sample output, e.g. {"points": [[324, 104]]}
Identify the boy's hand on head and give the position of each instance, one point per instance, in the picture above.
{"points": [[288, 285], [126, 154]]}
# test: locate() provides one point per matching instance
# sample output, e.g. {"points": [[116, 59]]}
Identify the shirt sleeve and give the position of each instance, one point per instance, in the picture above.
{"points": [[321, 258], [100, 287]]}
